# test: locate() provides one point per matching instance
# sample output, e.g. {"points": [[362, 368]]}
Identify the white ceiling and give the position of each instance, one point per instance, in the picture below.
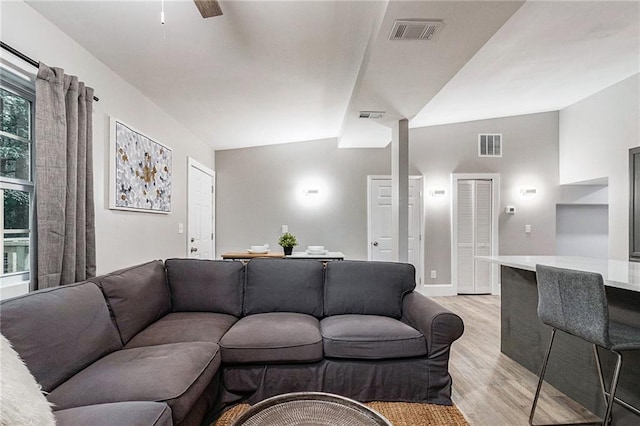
{"points": [[548, 56], [270, 72]]}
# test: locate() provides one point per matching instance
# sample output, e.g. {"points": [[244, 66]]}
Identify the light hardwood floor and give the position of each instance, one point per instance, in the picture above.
{"points": [[490, 388]]}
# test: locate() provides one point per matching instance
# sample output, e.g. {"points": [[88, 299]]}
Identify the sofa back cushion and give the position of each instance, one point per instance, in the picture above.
{"points": [[137, 296], [284, 285], [206, 285], [367, 288], [59, 331]]}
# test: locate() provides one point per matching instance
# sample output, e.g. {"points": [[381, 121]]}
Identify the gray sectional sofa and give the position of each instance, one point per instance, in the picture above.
{"points": [[163, 344]]}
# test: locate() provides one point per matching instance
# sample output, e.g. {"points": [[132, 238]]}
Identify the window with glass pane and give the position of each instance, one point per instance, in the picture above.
{"points": [[15, 136], [17, 97], [16, 231]]}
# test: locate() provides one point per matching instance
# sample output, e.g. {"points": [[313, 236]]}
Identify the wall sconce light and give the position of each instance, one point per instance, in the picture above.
{"points": [[311, 192], [528, 192], [437, 193]]}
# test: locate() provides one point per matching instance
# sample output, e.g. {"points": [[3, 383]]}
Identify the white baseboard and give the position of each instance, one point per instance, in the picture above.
{"points": [[436, 290]]}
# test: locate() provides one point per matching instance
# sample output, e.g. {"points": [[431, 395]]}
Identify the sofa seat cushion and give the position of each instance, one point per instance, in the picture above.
{"points": [[176, 374], [134, 413], [180, 327], [275, 337], [370, 337]]}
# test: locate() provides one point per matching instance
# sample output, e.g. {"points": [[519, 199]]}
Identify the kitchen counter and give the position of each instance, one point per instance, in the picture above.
{"points": [[524, 338], [616, 273]]}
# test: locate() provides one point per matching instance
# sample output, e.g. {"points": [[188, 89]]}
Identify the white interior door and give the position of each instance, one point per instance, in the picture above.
{"points": [[200, 232], [380, 221], [474, 235]]}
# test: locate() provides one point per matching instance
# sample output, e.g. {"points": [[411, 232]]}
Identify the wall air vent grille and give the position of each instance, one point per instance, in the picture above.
{"points": [[414, 29], [490, 145], [370, 114]]}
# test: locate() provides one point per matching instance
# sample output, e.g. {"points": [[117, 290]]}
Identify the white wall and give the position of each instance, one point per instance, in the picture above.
{"points": [[530, 159], [582, 230], [123, 238], [595, 136], [260, 189]]}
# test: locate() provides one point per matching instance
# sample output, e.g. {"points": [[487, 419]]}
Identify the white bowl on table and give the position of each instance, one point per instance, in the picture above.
{"points": [[261, 249], [316, 250]]}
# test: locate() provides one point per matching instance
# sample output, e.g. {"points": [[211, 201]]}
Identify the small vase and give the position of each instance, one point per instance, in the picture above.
{"points": [[288, 251]]}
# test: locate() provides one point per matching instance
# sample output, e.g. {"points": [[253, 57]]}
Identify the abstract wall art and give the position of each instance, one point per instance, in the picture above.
{"points": [[140, 171]]}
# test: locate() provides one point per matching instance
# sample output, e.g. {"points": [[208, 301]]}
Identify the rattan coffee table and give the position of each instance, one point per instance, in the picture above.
{"points": [[310, 409]]}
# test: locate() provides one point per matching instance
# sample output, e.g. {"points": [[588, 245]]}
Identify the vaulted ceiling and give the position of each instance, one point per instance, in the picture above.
{"points": [[269, 72]]}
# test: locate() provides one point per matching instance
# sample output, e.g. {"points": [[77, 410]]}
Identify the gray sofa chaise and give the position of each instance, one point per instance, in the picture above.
{"points": [[163, 344]]}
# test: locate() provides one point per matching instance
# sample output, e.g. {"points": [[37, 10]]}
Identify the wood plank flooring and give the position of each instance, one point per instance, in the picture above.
{"points": [[490, 388]]}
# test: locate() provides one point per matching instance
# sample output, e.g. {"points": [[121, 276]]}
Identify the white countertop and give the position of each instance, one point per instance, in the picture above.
{"points": [[328, 255], [616, 273]]}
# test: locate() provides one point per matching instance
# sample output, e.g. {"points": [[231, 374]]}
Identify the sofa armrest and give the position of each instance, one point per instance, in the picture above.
{"points": [[440, 326]]}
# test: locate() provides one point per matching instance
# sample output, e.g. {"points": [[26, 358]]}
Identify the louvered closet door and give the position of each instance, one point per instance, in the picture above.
{"points": [[465, 243], [482, 278], [474, 235]]}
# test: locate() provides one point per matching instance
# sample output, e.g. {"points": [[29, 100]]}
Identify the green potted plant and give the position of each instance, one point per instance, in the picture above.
{"points": [[288, 242]]}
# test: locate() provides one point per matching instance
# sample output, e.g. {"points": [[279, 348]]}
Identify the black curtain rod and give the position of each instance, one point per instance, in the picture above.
{"points": [[25, 58]]}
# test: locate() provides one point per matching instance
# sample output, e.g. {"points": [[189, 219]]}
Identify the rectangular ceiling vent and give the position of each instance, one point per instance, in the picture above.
{"points": [[370, 114], [490, 145], [415, 29]]}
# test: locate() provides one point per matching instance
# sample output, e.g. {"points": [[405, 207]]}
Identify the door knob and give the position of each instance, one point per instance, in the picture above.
{"points": [[375, 244], [194, 249]]}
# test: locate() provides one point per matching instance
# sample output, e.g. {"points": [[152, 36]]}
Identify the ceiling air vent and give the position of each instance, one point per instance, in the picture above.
{"points": [[370, 114], [490, 145], [415, 29]]}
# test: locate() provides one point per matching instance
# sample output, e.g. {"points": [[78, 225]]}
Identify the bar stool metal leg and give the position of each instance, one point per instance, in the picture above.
{"points": [[605, 394], [600, 375], [612, 389], [543, 370]]}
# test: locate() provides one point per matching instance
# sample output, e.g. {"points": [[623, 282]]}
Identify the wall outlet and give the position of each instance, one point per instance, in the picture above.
{"points": [[285, 229], [527, 229], [433, 273]]}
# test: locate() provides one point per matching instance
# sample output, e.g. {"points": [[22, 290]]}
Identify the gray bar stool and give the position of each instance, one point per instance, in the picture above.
{"points": [[575, 302]]}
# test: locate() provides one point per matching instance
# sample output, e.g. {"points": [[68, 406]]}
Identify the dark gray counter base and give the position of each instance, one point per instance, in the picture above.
{"points": [[572, 368]]}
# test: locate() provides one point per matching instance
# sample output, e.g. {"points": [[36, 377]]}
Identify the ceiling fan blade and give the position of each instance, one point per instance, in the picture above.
{"points": [[208, 8]]}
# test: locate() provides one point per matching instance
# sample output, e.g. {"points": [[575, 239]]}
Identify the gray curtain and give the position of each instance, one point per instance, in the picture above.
{"points": [[65, 219]]}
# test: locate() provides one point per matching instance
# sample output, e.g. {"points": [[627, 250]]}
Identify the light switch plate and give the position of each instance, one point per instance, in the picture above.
{"points": [[285, 228]]}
